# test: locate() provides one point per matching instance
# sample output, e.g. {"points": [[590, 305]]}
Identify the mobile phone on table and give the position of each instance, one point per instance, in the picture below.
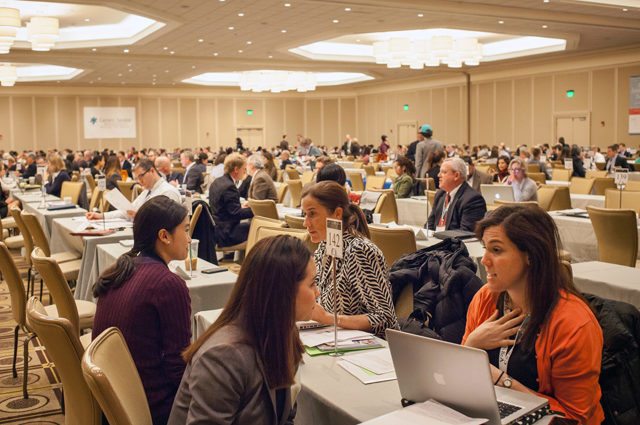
{"points": [[216, 270]]}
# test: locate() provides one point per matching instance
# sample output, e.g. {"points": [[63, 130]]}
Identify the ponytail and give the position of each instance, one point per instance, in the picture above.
{"points": [[115, 275], [354, 221]]}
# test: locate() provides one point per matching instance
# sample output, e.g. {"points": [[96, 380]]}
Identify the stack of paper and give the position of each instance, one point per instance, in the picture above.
{"points": [[322, 341], [430, 412], [370, 366], [421, 233]]}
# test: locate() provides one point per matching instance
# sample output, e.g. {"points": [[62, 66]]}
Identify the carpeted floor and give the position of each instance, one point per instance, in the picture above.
{"points": [[45, 391]]}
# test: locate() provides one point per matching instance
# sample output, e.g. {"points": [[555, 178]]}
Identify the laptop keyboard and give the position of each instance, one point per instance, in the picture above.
{"points": [[507, 409]]}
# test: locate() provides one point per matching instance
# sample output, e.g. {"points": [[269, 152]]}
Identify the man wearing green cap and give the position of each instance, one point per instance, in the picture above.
{"points": [[425, 147]]}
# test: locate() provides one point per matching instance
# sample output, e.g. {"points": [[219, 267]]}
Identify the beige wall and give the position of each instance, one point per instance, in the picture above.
{"points": [[44, 117]]}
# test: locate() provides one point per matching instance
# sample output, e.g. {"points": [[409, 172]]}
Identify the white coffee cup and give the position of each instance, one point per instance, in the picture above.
{"points": [[377, 218]]}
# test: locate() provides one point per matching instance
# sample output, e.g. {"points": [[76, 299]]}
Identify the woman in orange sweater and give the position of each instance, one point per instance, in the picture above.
{"points": [[540, 334]]}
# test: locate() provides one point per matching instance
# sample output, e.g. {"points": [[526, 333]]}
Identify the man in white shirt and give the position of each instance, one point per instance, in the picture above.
{"points": [[147, 176]]}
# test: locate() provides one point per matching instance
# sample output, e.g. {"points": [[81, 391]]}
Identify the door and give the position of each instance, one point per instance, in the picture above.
{"points": [[407, 131], [252, 137], [574, 129]]}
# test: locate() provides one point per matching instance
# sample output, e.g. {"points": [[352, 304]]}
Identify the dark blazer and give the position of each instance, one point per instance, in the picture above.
{"points": [[112, 181], [620, 161], [467, 208], [244, 187], [262, 187], [55, 187], [193, 178], [578, 167], [30, 171], [480, 178], [225, 383], [175, 176], [224, 200], [126, 165]]}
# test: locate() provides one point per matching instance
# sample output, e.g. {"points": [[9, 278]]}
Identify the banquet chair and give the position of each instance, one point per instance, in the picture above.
{"points": [[292, 173], [369, 170], [72, 190], [633, 185], [194, 219], [561, 200], [561, 174], [374, 182], [617, 235], [79, 313], [387, 207], [90, 181], [601, 165], [256, 224], [355, 177], [18, 297], [96, 199], [295, 190], [581, 186], [69, 261], [279, 175], [431, 196], [60, 338], [16, 241], [533, 168], [626, 199], [499, 202], [394, 243], [389, 172], [294, 222], [545, 196], [307, 177], [8, 224], [601, 185], [592, 174], [539, 178], [428, 182], [116, 386], [303, 235], [282, 192], [126, 188], [358, 164], [263, 208], [28, 247]]}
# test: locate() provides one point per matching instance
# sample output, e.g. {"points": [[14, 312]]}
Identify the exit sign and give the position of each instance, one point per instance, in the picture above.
{"points": [[249, 111], [405, 107]]}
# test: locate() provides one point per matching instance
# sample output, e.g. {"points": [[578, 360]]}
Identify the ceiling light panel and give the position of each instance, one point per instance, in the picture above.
{"points": [[42, 72]]}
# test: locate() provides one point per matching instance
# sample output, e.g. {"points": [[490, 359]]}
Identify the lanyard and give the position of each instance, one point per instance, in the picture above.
{"points": [[505, 353]]}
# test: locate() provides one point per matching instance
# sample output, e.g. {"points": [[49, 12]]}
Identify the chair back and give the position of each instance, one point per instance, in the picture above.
{"points": [[90, 181], [374, 182], [37, 233], [26, 235], [617, 235], [72, 189], [533, 168], [592, 174], [355, 178], [499, 202], [387, 207], [294, 222], [539, 178], [279, 175], [358, 164], [369, 170], [264, 208], [194, 219], [65, 349], [295, 190], [562, 199], [116, 385], [256, 224], [292, 173], [561, 174], [126, 188], [633, 185], [581, 186], [431, 196], [307, 177], [601, 165], [601, 185], [96, 199], [11, 276], [546, 194], [389, 172], [303, 235], [615, 199], [282, 190], [58, 287], [483, 167]]}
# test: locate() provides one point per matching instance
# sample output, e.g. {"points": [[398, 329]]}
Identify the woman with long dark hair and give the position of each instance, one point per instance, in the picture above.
{"points": [[112, 172], [540, 334], [150, 304], [501, 175], [405, 171], [241, 369], [362, 276]]}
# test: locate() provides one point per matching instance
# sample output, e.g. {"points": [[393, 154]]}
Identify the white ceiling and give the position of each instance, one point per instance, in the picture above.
{"points": [[196, 29]]}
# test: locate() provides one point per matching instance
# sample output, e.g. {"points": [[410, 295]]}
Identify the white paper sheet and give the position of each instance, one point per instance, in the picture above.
{"points": [[119, 202], [377, 361], [430, 412], [315, 337], [365, 376]]}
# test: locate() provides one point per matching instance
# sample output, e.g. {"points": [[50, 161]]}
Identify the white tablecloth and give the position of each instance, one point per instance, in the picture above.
{"points": [[578, 237], [283, 210], [207, 291], [412, 211], [583, 201], [30, 196], [608, 281], [558, 183], [62, 240], [46, 217]]}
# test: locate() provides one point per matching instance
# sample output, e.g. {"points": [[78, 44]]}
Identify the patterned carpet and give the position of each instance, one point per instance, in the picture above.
{"points": [[45, 390]]}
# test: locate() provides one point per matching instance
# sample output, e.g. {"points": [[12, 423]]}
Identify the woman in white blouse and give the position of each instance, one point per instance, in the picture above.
{"points": [[364, 292]]}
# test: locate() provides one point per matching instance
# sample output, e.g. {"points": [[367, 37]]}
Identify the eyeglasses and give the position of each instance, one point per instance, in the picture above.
{"points": [[139, 176], [515, 170]]}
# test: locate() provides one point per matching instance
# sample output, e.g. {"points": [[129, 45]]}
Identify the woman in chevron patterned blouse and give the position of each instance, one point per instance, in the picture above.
{"points": [[364, 292]]}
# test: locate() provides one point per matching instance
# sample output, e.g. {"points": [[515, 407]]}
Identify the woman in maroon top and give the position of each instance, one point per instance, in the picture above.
{"points": [[150, 304]]}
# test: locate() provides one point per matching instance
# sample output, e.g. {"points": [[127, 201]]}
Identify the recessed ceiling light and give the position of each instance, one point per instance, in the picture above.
{"points": [[501, 22], [420, 15], [173, 84], [287, 5], [153, 84], [122, 82], [231, 28], [94, 50], [283, 31], [215, 54], [130, 70], [358, 40], [193, 67], [200, 40], [545, 26], [335, 21], [154, 75], [58, 81], [249, 42], [625, 10], [91, 82], [99, 78], [126, 50], [172, 52], [165, 48], [347, 9], [240, 51], [120, 75], [87, 19], [270, 57], [546, 1], [129, 65], [241, 14], [166, 71]]}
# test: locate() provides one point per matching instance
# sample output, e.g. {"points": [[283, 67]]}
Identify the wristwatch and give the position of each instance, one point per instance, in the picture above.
{"points": [[507, 382]]}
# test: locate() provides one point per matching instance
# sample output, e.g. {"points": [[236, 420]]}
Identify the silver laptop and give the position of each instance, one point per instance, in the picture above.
{"points": [[456, 376], [496, 192]]}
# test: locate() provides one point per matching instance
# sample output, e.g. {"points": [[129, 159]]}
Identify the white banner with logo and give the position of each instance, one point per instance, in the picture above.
{"points": [[109, 122]]}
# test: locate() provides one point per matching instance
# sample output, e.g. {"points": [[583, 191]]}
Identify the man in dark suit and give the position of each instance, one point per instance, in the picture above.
{"points": [[456, 205], [31, 168], [193, 172], [224, 200], [163, 165], [614, 159], [476, 177], [262, 186], [124, 163]]}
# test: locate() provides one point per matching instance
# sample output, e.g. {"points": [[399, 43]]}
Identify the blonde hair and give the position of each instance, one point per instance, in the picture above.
{"points": [[233, 161], [56, 163]]}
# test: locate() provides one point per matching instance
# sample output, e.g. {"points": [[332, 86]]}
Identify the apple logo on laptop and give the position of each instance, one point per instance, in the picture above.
{"points": [[497, 196], [439, 378]]}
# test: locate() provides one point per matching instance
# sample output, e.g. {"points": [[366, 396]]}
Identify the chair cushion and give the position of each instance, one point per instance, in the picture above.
{"points": [[5, 234], [86, 312], [14, 242], [63, 257]]}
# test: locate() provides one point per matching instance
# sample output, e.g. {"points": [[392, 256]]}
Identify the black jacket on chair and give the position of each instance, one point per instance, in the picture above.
{"points": [[204, 231], [466, 209], [224, 200], [55, 186]]}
